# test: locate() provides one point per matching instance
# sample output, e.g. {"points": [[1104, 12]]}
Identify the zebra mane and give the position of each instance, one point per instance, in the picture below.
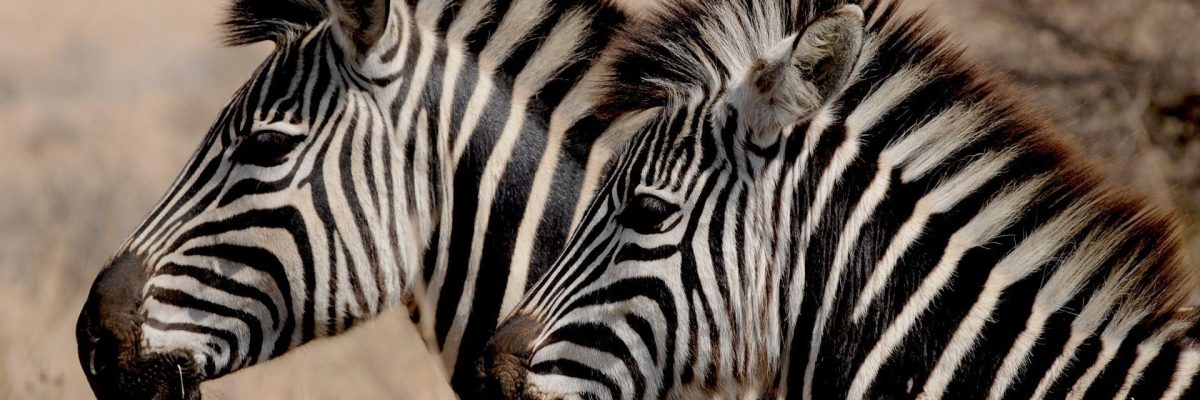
{"points": [[700, 45], [253, 21], [694, 44]]}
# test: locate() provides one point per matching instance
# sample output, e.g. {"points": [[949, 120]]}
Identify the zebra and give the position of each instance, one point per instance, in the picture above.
{"points": [[827, 200], [431, 154]]}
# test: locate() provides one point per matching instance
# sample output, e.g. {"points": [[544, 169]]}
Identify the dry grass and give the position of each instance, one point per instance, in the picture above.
{"points": [[101, 103]]}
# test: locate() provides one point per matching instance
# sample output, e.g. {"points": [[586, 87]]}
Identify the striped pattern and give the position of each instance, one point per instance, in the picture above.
{"points": [[917, 235], [340, 182]]}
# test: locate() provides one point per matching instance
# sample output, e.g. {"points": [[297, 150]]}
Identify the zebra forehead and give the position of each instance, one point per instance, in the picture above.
{"points": [[252, 21]]}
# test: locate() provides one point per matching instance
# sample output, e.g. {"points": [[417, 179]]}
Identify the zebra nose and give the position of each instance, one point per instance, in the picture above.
{"points": [[505, 361], [108, 339], [107, 328]]}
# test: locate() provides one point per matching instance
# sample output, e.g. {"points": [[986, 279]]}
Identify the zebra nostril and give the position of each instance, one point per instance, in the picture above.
{"points": [[100, 356], [505, 361]]}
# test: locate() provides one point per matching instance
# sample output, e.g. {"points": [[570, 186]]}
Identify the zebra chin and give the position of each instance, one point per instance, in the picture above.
{"points": [[110, 345]]}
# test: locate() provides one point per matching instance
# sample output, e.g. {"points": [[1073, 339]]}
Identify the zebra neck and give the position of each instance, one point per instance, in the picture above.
{"points": [[493, 103], [459, 119], [923, 194], [406, 70]]}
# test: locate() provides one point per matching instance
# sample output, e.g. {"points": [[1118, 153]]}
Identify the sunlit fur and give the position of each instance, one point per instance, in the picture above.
{"points": [[921, 234], [429, 167]]}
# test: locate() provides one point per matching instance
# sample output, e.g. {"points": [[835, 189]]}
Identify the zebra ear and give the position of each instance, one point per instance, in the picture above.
{"points": [[362, 22], [803, 72]]}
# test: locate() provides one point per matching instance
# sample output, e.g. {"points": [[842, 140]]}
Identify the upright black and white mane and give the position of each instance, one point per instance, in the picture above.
{"points": [[707, 46], [252, 21]]}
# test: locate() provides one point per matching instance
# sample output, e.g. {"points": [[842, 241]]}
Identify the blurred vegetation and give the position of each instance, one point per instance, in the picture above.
{"points": [[102, 102], [1121, 76]]}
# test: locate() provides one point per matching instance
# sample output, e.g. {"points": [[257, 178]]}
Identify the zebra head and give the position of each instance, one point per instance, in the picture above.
{"points": [[283, 226], [673, 251]]}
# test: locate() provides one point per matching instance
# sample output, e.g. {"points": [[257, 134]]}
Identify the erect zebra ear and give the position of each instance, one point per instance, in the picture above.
{"points": [[363, 22], [804, 71]]}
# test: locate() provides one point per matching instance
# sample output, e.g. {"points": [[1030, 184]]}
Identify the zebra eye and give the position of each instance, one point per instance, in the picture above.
{"points": [[646, 213], [266, 148]]}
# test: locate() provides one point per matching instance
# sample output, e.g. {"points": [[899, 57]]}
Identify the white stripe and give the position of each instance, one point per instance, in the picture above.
{"points": [[983, 228], [1110, 343], [817, 126], [522, 17], [1185, 373], [344, 301], [730, 250], [1147, 351], [467, 19], [862, 119], [952, 130], [489, 181], [1031, 254], [610, 144], [1053, 296], [175, 339], [178, 207], [428, 12], [343, 214], [1145, 354], [567, 388], [548, 300], [547, 62], [190, 343], [365, 145], [1094, 313], [718, 302]]}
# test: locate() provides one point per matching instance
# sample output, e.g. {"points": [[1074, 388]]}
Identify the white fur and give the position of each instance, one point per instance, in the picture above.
{"points": [[1029, 255]]}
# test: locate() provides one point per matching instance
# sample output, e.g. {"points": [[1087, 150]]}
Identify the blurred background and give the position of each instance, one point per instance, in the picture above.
{"points": [[102, 102]]}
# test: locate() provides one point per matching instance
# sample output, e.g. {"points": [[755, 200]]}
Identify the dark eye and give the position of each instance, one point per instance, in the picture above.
{"points": [[646, 213], [266, 148]]}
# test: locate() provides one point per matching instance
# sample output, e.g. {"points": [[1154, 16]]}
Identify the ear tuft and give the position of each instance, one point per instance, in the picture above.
{"points": [[793, 80], [832, 44], [362, 21]]}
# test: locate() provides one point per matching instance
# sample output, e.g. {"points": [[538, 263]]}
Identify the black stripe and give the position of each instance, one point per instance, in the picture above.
{"points": [[216, 281], [231, 340], [187, 301]]}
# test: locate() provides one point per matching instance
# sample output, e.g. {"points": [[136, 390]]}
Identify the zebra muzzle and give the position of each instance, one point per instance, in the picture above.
{"points": [[108, 338], [505, 362]]}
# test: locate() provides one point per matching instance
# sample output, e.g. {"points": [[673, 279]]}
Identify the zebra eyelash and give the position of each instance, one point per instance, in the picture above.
{"points": [[266, 147], [647, 213]]}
